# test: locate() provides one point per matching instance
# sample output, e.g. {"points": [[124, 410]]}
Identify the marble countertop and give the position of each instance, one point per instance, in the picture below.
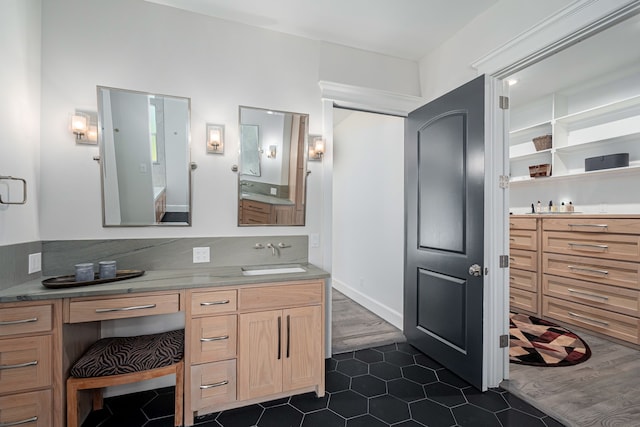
{"points": [[158, 280], [266, 199]]}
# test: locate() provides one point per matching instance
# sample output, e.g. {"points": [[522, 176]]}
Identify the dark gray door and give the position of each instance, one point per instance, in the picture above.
{"points": [[444, 202]]}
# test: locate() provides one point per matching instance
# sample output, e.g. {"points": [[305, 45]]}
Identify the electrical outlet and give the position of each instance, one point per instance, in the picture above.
{"points": [[201, 255], [274, 191], [35, 262]]}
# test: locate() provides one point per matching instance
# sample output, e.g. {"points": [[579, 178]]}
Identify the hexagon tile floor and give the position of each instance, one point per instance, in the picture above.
{"points": [[393, 385]]}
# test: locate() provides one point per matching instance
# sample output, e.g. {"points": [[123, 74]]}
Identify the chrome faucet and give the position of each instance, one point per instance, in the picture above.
{"points": [[273, 249]]}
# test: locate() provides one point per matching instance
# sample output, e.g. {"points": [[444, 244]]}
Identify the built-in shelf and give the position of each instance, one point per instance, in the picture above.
{"points": [[600, 110], [632, 169], [541, 153]]}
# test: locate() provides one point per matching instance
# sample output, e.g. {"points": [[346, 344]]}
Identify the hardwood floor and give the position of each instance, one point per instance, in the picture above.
{"points": [[603, 391], [353, 327]]}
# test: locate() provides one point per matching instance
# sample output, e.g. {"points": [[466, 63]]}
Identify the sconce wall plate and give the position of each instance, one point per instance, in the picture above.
{"points": [[316, 147], [84, 125], [215, 139]]}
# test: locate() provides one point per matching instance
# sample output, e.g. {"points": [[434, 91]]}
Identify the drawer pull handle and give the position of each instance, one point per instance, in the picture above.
{"points": [[17, 423], [220, 338], [587, 294], [588, 319], [588, 270], [134, 307], [589, 225], [588, 245], [512, 239], [512, 298], [206, 304], [19, 365], [16, 322], [219, 384]]}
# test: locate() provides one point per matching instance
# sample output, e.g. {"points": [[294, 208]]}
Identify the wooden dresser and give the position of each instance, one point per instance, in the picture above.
{"points": [[589, 268], [524, 262]]}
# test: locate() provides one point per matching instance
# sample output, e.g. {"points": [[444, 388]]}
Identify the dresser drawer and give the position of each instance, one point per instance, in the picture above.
{"points": [[214, 302], [523, 279], [524, 260], [213, 384], [285, 295], [213, 338], [613, 324], [257, 207], [593, 225], [25, 363], [26, 409], [522, 223], [615, 273], [523, 239], [620, 300], [105, 308], [523, 300], [620, 247], [25, 320]]}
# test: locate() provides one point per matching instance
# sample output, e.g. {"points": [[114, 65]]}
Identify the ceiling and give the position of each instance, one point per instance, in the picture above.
{"points": [[408, 29]]}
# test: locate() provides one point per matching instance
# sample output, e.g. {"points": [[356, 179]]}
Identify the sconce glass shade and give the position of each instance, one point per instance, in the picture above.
{"points": [[272, 152], [316, 147], [79, 125], [215, 139], [92, 133]]}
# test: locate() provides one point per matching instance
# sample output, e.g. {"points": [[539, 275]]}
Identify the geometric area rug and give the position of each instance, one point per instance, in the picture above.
{"points": [[538, 342]]}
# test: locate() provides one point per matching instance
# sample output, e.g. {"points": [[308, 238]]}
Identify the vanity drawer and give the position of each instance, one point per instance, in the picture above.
{"points": [[25, 363], [524, 260], [250, 217], [285, 295], [593, 225], [213, 338], [620, 300], [523, 300], [252, 205], [523, 279], [621, 247], [25, 320], [26, 409], [522, 223], [609, 272], [105, 308], [523, 239], [214, 302], [213, 384], [613, 324]]}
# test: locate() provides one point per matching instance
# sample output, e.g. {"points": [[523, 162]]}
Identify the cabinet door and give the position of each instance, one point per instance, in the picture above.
{"points": [[302, 352], [260, 354]]}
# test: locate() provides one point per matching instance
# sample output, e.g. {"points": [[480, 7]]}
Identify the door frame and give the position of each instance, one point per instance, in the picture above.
{"points": [[575, 22]]}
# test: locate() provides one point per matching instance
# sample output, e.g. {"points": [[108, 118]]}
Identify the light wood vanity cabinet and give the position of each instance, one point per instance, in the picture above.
{"points": [[29, 361], [524, 264], [253, 343]]}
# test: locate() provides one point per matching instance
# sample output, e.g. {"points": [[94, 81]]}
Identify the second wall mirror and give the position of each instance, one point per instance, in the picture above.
{"points": [[273, 167]]}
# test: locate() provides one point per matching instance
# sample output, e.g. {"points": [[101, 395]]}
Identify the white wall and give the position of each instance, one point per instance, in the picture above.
{"points": [[449, 66], [368, 212], [19, 117], [220, 65]]}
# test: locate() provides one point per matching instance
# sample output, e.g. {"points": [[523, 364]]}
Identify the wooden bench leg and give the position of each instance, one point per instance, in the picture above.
{"points": [[179, 394], [72, 404], [98, 402]]}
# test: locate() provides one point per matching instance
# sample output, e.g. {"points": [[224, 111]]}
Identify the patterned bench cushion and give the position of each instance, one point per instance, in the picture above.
{"points": [[124, 355]]}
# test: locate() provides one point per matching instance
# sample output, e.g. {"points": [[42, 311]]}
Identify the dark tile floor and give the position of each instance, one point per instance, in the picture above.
{"points": [[394, 385]]}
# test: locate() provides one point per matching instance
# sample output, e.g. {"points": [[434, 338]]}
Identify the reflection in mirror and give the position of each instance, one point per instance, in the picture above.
{"points": [[144, 156], [272, 176]]}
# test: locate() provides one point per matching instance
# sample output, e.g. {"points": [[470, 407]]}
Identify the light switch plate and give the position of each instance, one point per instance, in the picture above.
{"points": [[315, 240], [201, 255], [35, 262]]}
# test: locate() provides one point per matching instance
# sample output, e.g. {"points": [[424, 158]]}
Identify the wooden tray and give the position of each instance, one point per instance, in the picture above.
{"points": [[70, 281]]}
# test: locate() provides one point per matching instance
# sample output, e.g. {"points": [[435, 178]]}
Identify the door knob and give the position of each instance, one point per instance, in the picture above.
{"points": [[475, 270]]}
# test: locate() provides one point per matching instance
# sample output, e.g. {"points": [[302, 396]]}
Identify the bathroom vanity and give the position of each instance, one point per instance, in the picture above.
{"points": [[249, 338]]}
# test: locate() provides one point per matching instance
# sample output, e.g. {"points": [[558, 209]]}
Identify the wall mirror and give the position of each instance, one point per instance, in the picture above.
{"points": [[273, 168], [144, 143]]}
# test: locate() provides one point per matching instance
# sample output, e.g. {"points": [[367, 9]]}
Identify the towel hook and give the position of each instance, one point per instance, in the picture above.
{"points": [[24, 191]]}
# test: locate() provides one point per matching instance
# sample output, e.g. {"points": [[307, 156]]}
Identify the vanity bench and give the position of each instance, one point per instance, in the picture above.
{"points": [[248, 339]]}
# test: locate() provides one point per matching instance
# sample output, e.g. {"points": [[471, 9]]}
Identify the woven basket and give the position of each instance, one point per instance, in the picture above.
{"points": [[537, 171], [542, 142]]}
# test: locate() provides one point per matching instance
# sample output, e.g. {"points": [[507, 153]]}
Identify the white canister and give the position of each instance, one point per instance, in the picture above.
{"points": [[84, 272], [107, 269]]}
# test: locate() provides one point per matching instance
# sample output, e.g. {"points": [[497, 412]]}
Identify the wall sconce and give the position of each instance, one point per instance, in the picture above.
{"points": [[316, 147], [84, 125], [215, 139], [272, 152]]}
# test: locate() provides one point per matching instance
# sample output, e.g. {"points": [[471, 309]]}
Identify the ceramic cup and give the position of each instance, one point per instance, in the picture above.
{"points": [[84, 272], [107, 269]]}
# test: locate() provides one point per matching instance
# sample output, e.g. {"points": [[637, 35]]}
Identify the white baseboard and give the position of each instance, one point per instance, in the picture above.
{"points": [[369, 303]]}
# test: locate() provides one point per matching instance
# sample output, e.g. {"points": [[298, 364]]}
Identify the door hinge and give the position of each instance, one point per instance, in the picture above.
{"points": [[503, 181], [504, 102], [504, 341], [504, 261]]}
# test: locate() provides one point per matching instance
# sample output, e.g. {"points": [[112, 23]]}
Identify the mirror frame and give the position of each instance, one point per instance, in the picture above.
{"points": [[302, 153], [189, 165]]}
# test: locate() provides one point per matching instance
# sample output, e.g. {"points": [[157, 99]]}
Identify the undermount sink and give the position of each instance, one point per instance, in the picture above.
{"points": [[257, 271]]}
